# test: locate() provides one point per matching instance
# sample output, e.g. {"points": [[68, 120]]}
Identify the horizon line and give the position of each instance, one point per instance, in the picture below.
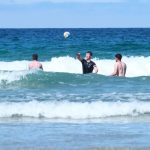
{"points": [[73, 27]]}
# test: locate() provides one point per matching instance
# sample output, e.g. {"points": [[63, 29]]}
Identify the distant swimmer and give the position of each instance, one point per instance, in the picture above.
{"points": [[120, 67], [35, 64], [87, 65]]}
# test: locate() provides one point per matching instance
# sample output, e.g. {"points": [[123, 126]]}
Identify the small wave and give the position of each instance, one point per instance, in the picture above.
{"points": [[38, 78], [73, 110]]}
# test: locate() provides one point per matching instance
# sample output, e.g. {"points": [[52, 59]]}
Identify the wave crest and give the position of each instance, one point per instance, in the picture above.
{"points": [[73, 110], [136, 66]]}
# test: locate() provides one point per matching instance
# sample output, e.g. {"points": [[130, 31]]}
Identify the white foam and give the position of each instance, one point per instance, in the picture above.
{"points": [[72, 110], [14, 66], [136, 66], [10, 76]]}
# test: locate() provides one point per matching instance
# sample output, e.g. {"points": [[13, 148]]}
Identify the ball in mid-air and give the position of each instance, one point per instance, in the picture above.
{"points": [[66, 35]]}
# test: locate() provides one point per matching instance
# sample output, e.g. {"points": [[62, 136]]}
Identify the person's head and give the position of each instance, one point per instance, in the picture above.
{"points": [[89, 55], [118, 57], [35, 57]]}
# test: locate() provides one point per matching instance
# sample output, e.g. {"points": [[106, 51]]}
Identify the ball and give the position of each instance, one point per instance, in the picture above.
{"points": [[66, 35]]}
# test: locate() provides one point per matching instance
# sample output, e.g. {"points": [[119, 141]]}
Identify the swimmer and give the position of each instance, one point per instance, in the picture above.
{"points": [[120, 67], [88, 66], [35, 64]]}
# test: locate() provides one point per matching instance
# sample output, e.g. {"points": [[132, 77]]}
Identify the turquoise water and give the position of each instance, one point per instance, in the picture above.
{"points": [[61, 109]]}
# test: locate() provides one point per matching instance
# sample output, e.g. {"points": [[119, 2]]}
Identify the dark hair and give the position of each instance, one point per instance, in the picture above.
{"points": [[35, 57], [119, 56], [90, 53]]}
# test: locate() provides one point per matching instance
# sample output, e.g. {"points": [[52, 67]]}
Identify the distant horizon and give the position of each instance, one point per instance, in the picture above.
{"points": [[76, 28]]}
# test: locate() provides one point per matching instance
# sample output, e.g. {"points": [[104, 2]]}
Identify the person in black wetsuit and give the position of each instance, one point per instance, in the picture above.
{"points": [[87, 65]]}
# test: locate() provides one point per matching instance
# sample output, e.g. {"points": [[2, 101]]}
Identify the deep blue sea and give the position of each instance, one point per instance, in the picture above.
{"points": [[62, 109]]}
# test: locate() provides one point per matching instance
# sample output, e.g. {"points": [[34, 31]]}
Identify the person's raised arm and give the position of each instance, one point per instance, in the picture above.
{"points": [[79, 57]]}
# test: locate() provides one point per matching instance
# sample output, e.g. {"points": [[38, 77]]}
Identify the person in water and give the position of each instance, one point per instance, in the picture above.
{"points": [[35, 64], [120, 67], [88, 66]]}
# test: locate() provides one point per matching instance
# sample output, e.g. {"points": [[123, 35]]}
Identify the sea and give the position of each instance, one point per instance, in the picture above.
{"points": [[59, 108]]}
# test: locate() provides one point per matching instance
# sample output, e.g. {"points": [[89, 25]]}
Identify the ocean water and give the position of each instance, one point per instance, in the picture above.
{"points": [[62, 109]]}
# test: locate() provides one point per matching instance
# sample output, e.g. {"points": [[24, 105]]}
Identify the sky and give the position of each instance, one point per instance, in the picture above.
{"points": [[74, 13]]}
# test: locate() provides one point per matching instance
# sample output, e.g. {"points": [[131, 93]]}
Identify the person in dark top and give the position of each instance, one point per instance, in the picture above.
{"points": [[87, 65]]}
